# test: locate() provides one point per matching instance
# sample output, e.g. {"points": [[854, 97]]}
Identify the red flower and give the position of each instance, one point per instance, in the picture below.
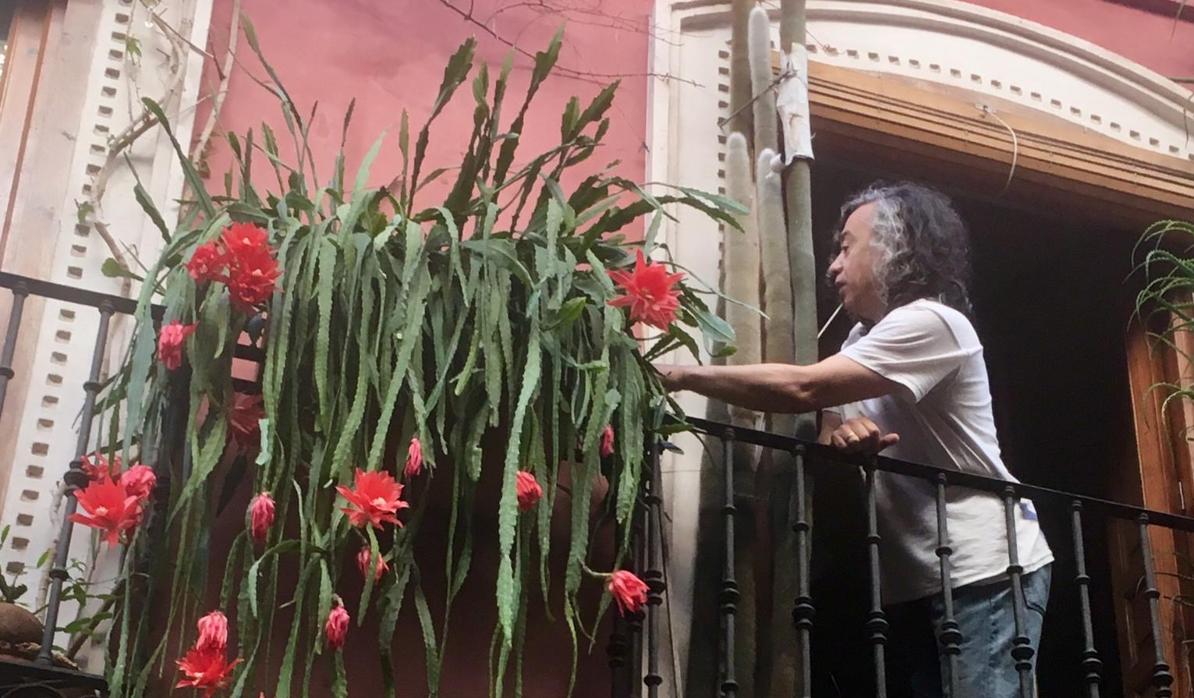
{"points": [[261, 516], [205, 669], [244, 420], [649, 292], [363, 563], [97, 467], [336, 628], [170, 341], [252, 280], [529, 491], [607, 441], [213, 632], [139, 481], [207, 262], [375, 499], [109, 508], [242, 239], [628, 590], [414, 458]]}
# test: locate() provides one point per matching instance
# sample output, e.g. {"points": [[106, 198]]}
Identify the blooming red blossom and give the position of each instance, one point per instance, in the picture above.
{"points": [[244, 420], [252, 270], [336, 628], [96, 466], [374, 499], [607, 441], [213, 632], [109, 508], [649, 291], [241, 239], [205, 669], [170, 341], [628, 590], [207, 263], [261, 516], [414, 458], [139, 481], [363, 563], [252, 279], [529, 491]]}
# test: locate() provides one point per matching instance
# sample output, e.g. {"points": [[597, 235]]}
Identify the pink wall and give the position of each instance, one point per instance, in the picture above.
{"points": [[1147, 38], [390, 54]]}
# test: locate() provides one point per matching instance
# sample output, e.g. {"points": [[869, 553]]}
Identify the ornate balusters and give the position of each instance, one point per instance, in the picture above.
{"points": [[951, 634], [74, 479], [729, 586], [1021, 646], [653, 574], [19, 294], [1162, 679], [1090, 656], [876, 624], [803, 611]]}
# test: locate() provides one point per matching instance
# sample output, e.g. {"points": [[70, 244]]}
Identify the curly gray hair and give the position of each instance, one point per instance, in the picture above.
{"points": [[922, 244]]}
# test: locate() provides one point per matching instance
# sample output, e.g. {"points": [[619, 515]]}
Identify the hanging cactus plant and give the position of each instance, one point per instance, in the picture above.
{"points": [[404, 348]]}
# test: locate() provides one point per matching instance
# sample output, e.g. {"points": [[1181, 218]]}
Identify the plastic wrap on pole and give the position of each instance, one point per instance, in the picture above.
{"points": [[792, 104], [766, 127]]}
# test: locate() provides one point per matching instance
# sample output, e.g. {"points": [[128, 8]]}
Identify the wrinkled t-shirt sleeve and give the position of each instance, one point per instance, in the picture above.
{"points": [[913, 347]]}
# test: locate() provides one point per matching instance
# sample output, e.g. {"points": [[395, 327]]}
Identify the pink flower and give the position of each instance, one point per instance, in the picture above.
{"points": [[363, 564], [252, 279], [414, 458], [649, 291], [374, 499], [529, 491], [244, 420], [205, 669], [213, 632], [241, 239], [607, 441], [206, 263], [170, 341], [139, 481], [628, 590], [336, 628], [108, 508], [261, 516]]}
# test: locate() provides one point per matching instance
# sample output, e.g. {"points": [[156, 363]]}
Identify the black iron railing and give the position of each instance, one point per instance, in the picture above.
{"points": [[637, 640], [876, 624], [46, 671]]}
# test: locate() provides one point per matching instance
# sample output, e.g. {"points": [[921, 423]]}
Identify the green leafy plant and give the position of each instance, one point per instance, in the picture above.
{"points": [[393, 321]]}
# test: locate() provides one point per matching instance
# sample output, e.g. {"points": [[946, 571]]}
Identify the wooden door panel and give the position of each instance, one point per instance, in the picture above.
{"points": [[1152, 476]]}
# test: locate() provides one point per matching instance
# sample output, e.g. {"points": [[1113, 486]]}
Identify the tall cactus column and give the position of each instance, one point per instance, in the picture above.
{"points": [[793, 112]]}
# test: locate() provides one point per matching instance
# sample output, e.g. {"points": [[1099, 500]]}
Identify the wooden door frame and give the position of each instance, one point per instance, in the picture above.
{"points": [[1001, 151]]}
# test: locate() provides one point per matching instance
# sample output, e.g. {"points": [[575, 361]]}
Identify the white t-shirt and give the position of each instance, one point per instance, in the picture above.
{"points": [[942, 413]]}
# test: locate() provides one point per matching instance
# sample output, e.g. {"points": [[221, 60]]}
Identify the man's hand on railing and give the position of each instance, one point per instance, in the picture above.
{"points": [[861, 435]]}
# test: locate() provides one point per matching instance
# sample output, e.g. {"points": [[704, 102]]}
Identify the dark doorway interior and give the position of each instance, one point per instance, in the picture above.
{"points": [[1051, 305]]}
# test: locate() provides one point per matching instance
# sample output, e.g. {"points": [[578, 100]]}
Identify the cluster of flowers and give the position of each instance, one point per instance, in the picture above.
{"points": [[243, 260], [113, 501], [205, 666]]}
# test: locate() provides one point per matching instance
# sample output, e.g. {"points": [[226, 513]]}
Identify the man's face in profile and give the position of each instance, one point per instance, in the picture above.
{"points": [[853, 270]]}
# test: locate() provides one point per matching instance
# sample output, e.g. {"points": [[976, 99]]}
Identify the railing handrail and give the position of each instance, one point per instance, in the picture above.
{"points": [[934, 474], [72, 294]]}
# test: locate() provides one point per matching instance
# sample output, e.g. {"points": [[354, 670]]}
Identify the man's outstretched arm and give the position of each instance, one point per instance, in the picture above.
{"points": [[785, 388]]}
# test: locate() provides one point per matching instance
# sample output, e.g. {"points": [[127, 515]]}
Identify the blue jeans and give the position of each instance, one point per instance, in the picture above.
{"points": [[987, 621]]}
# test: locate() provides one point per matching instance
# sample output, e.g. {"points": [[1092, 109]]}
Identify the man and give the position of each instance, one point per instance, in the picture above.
{"points": [[910, 380]]}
